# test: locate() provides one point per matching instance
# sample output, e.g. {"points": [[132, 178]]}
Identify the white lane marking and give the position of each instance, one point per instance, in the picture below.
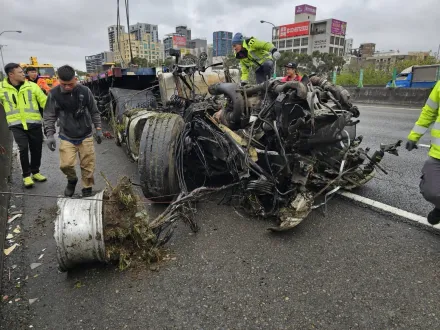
{"points": [[388, 208], [379, 107]]}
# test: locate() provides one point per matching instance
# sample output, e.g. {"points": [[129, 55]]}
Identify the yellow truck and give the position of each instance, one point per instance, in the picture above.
{"points": [[46, 70]]}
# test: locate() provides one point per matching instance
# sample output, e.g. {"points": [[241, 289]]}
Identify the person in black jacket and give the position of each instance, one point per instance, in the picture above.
{"points": [[75, 107]]}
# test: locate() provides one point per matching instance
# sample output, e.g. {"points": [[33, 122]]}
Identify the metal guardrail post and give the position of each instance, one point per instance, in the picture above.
{"points": [[361, 78], [393, 81]]}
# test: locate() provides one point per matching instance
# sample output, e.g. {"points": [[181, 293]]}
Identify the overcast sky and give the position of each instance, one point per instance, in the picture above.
{"points": [[66, 31]]}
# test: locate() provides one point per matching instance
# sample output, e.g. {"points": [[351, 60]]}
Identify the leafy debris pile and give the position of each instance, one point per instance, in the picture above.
{"points": [[127, 235]]}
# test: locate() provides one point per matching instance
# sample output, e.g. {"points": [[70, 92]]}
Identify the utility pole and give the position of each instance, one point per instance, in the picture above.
{"points": [[3, 62], [275, 64]]}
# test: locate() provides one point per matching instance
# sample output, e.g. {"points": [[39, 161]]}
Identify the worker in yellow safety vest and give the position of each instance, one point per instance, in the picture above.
{"points": [[430, 181], [21, 101], [255, 54]]}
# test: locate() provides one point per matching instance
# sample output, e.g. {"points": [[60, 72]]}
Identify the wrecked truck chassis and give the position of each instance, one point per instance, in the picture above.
{"points": [[287, 144], [129, 109]]}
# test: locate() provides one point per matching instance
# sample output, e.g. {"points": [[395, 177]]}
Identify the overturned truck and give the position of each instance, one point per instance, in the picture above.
{"points": [[287, 146]]}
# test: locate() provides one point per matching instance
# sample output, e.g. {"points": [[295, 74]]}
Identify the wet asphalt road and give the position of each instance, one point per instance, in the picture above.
{"points": [[400, 188], [353, 269]]}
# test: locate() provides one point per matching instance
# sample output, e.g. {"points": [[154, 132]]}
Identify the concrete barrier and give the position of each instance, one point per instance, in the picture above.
{"points": [[5, 172], [390, 96]]}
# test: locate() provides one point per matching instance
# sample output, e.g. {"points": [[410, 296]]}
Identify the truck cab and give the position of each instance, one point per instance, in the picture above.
{"points": [[417, 76], [403, 79]]}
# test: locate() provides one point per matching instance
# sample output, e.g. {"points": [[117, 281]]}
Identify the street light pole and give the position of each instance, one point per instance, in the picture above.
{"points": [[12, 31], [3, 62], [1, 46], [275, 71]]}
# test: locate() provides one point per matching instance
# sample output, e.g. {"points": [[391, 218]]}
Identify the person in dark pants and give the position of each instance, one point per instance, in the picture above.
{"points": [[430, 179], [21, 101]]}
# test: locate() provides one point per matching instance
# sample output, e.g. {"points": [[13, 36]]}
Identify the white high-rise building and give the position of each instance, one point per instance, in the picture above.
{"points": [[112, 33]]}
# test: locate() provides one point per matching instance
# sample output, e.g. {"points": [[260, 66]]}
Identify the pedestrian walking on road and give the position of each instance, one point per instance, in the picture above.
{"points": [[21, 101], [255, 54], [430, 180], [75, 107]]}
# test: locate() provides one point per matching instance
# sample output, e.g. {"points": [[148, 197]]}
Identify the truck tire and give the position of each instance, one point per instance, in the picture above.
{"points": [[157, 151]]}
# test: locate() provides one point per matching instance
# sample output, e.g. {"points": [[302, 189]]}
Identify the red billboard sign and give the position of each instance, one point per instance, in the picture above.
{"points": [[179, 41], [294, 30]]}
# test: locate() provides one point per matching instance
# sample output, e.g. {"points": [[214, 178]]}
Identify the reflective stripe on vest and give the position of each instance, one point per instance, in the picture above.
{"points": [[420, 129], [19, 122], [12, 110], [255, 56], [432, 104], [16, 117]]}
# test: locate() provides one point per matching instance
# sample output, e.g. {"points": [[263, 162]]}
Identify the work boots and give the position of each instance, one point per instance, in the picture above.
{"points": [[70, 188], [87, 192], [434, 217]]}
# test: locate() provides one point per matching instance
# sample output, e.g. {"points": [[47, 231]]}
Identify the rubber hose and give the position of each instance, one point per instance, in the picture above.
{"points": [[233, 113], [301, 89]]}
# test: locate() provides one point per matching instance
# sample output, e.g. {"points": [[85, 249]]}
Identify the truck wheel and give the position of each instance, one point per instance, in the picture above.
{"points": [[157, 151]]}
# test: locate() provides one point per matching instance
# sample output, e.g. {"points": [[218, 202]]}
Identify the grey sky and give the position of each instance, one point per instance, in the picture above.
{"points": [[66, 32]]}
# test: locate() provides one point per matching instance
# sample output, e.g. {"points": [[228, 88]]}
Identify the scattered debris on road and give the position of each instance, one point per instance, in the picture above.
{"points": [[17, 230], [10, 249], [35, 265], [18, 215]]}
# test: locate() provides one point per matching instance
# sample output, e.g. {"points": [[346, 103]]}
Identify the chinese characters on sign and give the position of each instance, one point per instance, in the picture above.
{"points": [[305, 9], [317, 44], [294, 30]]}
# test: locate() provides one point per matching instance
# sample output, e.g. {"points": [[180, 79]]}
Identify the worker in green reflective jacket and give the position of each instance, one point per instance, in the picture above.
{"points": [[430, 181], [22, 100], [254, 54]]}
